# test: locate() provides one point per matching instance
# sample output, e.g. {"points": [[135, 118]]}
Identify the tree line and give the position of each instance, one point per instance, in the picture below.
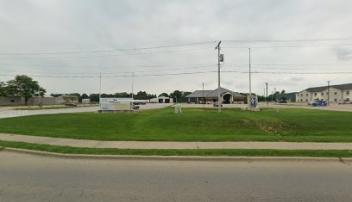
{"points": [[94, 97], [24, 86], [21, 86], [278, 96], [180, 96]]}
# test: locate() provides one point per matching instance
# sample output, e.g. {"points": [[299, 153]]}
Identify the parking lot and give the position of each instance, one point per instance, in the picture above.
{"points": [[7, 112]]}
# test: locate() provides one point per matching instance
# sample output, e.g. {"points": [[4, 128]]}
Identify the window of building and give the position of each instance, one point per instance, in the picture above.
{"points": [[315, 94], [335, 93], [306, 100], [347, 92], [301, 100], [307, 94], [335, 100], [322, 93]]}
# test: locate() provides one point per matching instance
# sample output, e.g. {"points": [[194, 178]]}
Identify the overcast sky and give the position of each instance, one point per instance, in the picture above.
{"points": [[64, 44]]}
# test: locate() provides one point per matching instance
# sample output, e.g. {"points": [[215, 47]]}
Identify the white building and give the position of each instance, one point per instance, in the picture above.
{"points": [[339, 94], [162, 99]]}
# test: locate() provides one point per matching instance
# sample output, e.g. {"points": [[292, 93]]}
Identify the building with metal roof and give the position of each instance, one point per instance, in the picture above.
{"points": [[211, 96]]}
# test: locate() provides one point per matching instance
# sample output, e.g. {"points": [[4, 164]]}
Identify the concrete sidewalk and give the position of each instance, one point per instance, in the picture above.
{"points": [[174, 145]]}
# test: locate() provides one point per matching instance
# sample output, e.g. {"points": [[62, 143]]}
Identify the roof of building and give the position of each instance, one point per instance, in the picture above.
{"points": [[199, 93], [213, 93], [347, 86]]}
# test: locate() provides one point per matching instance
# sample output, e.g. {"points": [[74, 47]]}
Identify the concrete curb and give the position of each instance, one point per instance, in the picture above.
{"points": [[180, 158]]}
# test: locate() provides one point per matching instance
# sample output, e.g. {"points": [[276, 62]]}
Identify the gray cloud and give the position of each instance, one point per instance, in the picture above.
{"points": [[344, 54], [28, 26]]}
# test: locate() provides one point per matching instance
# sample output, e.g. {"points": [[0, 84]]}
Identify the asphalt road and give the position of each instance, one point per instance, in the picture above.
{"points": [[28, 178]]}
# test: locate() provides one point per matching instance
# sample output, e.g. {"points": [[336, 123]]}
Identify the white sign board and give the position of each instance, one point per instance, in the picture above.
{"points": [[86, 101], [116, 104]]}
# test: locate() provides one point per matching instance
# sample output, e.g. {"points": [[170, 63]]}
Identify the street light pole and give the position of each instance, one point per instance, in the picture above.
{"points": [[328, 93], [218, 48], [132, 84], [249, 72], [249, 78], [203, 95], [99, 87], [266, 86]]}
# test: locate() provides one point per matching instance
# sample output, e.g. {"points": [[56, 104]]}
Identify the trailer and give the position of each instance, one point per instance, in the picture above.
{"points": [[116, 104]]}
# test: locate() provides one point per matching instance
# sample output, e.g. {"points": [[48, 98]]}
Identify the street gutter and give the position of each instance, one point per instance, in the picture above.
{"points": [[180, 158]]}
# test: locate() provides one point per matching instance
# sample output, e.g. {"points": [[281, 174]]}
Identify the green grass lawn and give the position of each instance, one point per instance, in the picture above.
{"points": [[192, 125]]}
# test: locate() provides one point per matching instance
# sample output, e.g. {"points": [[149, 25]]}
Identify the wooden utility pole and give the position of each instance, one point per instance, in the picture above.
{"points": [[328, 103], [99, 87], [219, 103], [266, 90], [203, 95], [132, 86]]}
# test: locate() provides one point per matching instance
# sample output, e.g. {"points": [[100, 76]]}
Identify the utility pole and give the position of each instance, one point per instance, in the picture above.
{"points": [[99, 87], [328, 93], [266, 90], [132, 86], [249, 77], [264, 95], [218, 48], [203, 94], [249, 72]]}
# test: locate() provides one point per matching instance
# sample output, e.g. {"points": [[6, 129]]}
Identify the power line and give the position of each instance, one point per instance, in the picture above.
{"points": [[164, 68], [137, 71], [283, 72], [107, 51], [288, 40], [64, 52], [289, 46], [182, 73]]}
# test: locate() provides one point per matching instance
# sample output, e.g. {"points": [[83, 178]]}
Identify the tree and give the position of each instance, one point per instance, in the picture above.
{"points": [[24, 86], [56, 94], [3, 89], [163, 94], [94, 97], [179, 95], [85, 96], [122, 95], [41, 92], [283, 96]]}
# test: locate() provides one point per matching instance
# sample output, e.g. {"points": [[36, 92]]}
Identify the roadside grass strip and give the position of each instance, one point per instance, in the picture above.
{"points": [[291, 125], [177, 152]]}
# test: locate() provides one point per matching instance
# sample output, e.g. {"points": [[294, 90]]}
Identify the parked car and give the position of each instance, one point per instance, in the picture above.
{"points": [[318, 103]]}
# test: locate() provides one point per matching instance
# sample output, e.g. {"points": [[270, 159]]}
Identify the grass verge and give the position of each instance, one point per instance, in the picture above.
{"points": [[178, 152], [294, 125]]}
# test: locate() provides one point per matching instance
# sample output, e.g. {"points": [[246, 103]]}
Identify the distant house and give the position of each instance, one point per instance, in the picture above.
{"points": [[162, 99], [334, 94], [11, 101], [211, 96], [37, 100]]}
